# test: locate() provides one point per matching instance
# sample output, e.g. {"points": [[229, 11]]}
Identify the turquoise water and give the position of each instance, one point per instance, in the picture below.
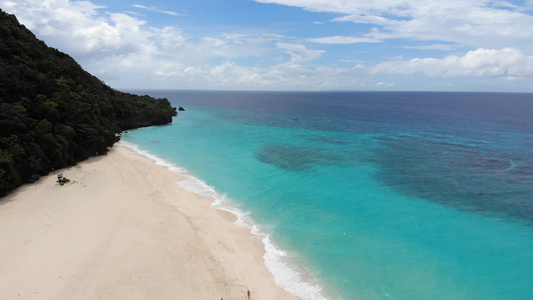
{"points": [[366, 195]]}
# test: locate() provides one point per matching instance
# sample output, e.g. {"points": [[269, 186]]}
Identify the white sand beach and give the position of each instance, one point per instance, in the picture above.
{"points": [[123, 228]]}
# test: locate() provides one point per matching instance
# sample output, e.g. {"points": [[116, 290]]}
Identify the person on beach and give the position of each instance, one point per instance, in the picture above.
{"points": [[248, 293]]}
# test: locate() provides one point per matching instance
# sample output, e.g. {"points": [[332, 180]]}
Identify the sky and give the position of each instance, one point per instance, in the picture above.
{"points": [[297, 45]]}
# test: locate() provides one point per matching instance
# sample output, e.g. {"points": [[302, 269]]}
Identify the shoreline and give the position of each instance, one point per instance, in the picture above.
{"points": [[287, 272], [124, 228]]}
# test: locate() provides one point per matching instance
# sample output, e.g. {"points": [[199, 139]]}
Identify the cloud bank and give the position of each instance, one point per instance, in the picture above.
{"points": [[508, 62]]}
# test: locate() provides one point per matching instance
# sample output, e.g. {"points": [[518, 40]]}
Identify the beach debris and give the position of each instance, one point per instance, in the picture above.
{"points": [[61, 179]]}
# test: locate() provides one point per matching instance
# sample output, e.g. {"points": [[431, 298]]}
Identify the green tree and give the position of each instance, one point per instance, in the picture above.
{"points": [[53, 113]]}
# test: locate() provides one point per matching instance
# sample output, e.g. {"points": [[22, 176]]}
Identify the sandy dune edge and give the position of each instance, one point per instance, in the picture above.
{"points": [[124, 229]]}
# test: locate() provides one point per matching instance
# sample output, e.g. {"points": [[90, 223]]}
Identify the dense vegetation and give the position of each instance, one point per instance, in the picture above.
{"points": [[54, 114]]}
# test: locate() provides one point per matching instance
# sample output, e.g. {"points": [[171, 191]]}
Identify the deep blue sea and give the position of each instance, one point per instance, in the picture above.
{"points": [[366, 195]]}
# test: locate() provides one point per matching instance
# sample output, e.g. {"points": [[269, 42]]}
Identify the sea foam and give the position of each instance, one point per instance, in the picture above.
{"points": [[288, 274]]}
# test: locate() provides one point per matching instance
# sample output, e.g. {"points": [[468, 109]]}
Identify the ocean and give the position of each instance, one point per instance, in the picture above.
{"points": [[366, 195]]}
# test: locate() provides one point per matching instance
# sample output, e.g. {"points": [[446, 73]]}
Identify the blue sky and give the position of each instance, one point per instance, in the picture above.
{"points": [[414, 45]]}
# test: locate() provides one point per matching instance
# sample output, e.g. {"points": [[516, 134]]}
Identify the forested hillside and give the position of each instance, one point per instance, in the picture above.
{"points": [[54, 114]]}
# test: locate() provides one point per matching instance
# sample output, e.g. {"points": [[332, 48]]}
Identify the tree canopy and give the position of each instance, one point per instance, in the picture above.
{"points": [[54, 114]]}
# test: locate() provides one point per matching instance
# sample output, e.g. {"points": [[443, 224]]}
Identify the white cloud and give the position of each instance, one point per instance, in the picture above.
{"points": [[508, 62], [8, 4], [443, 47], [79, 29], [475, 23], [343, 40], [168, 12], [299, 53]]}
